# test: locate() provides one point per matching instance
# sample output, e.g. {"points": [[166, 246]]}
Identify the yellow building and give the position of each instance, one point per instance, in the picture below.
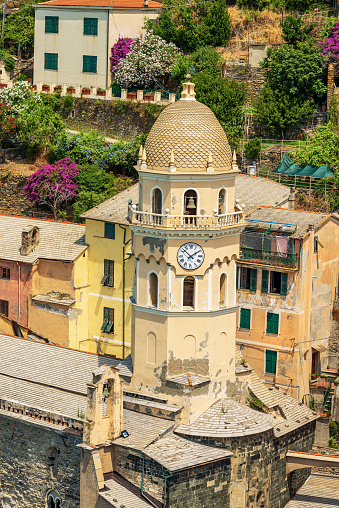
{"points": [[287, 279], [110, 276]]}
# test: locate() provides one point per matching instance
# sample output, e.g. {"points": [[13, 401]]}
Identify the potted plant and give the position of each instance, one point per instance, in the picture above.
{"points": [[3, 85], [148, 95], [70, 89], [85, 91], [45, 88], [131, 95], [34, 87], [101, 92], [57, 88]]}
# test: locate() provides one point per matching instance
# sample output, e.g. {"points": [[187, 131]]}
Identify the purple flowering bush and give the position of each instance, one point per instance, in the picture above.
{"points": [[119, 50], [330, 46], [53, 185]]}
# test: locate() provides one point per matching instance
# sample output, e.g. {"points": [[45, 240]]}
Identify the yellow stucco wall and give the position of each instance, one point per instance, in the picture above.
{"points": [[79, 312], [101, 296]]}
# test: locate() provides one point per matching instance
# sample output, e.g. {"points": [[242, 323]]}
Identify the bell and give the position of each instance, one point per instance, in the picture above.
{"points": [[105, 392], [190, 203]]}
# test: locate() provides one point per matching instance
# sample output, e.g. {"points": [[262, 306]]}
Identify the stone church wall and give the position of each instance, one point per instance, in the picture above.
{"points": [[25, 472]]}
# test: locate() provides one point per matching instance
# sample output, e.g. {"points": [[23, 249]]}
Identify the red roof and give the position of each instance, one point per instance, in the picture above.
{"points": [[127, 4]]}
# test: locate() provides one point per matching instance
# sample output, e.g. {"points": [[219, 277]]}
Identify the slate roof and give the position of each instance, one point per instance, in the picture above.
{"points": [[251, 190], [118, 495], [264, 215], [61, 241]]}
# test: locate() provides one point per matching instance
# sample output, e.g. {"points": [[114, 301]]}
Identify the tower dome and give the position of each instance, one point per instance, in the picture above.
{"points": [[192, 132]]}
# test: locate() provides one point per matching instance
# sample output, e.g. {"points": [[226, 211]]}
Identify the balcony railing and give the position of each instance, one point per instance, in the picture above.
{"points": [[184, 221], [284, 259]]}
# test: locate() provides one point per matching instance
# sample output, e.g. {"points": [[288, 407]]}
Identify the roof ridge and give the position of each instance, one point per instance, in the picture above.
{"points": [[42, 220], [291, 210]]}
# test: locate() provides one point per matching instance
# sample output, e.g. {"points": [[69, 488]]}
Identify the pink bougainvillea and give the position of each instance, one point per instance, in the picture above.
{"points": [[330, 46], [120, 49], [53, 185]]}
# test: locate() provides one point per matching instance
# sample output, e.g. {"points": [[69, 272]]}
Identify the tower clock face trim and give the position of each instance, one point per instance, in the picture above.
{"points": [[190, 256]]}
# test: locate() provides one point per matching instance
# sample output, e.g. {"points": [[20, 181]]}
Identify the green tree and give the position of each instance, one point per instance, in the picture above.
{"points": [[297, 72], [322, 148], [253, 148], [295, 30], [40, 126], [277, 110], [19, 26], [207, 60], [218, 26]]}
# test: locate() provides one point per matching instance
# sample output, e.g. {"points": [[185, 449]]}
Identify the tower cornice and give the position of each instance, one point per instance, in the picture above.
{"points": [[187, 176]]}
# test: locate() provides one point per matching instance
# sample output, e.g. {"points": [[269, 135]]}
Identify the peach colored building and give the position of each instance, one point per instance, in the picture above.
{"points": [[286, 283]]}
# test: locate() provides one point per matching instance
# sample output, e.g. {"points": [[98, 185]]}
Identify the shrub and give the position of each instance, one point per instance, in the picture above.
{"points": [[19, 96], [68, 102], [253, 148], [332, 443], [8, 122], [149, 63], [256, 404], [53, 185], [333, 428], [120, 50]]}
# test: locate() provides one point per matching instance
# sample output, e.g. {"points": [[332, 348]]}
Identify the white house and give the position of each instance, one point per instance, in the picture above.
{"points": [[73, 38]]}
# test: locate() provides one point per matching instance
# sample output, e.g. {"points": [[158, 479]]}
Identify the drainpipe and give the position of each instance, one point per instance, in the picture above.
{"points": [[107, 57], [142, 480], [123, 289], [165, 487]]}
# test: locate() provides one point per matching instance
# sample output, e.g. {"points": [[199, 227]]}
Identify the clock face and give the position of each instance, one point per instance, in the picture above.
{"points": [[190, 256]]}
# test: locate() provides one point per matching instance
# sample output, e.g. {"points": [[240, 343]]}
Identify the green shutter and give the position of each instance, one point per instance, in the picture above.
{"points": [[253, 279], [90, 26], [52, 24], [245, 318], [89, 63], [264, 281], [272, 325], [51, 61], [271, 362], [109, 230], [283, 285], [237, 278]]}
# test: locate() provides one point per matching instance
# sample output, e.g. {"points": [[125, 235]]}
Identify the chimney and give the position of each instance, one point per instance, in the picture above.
{"points": [[145, 3], [291, 198], [29, 239]]}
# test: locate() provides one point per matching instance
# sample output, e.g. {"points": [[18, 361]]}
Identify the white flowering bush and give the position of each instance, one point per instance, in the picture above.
{"points": [[148, 64], [19, 96]]}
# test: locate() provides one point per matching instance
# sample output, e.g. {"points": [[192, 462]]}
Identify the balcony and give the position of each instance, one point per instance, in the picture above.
{"points": [[167, 221], [268, 249]]}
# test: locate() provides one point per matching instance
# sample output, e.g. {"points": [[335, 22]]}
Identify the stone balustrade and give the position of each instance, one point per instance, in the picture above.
{"points": [[155, 220]]}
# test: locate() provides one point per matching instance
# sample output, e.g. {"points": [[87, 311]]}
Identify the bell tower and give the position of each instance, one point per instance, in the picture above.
{"points": [[185, 239]]}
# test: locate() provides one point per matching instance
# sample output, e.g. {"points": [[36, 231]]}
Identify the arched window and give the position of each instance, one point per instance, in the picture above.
{"points": [[223, 290], [222, 202], [188, 293], [157, 201], [53, 500], [151, 347], [190, 202], [153, 289]]}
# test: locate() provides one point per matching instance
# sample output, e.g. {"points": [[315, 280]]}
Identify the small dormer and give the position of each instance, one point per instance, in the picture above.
{"points": [[29, 239]]}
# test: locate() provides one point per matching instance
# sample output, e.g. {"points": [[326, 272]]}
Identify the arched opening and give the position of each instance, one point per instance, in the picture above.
{"points": [[222, 348], [153, 289], [223, 290], [151, 347], [53, 500], [190, 202], [222, 202], [188, 293], [157, 201]]}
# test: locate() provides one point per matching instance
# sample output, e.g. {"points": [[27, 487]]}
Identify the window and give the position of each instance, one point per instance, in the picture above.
{"points": [[53, 500], [157, 201], [108, 278], [108, 324], [109, 230], [5, 273], [89, 63], [52, 24], [247, 278], [90, 26], [222, 202], [270, 361], [272, 324], [274, 282], [188, 296], [245, 319], [51, 61], [222, 290], [53, 461], [153, 289], [4, 307]]}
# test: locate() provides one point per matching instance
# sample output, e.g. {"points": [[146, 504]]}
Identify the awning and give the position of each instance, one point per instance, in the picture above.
{"points": [[289, 168]]}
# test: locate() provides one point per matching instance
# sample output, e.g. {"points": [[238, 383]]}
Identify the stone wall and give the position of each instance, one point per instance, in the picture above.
{"points": [[326, 451], [25, 471], [11, 198], [113, 118], [252, 77]]}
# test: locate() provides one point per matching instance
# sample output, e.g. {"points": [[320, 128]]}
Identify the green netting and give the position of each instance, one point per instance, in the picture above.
{"points": [[116, 91], [288, 167]]}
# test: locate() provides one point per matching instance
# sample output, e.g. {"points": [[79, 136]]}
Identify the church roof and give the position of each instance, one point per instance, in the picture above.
{"points": [[192, 131]]}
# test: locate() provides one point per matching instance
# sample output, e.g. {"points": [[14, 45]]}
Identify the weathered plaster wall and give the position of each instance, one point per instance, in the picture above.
{"points": [[17, 294], [25, 474]]}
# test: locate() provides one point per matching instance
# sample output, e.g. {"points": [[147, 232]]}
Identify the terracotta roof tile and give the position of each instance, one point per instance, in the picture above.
{"points": [[128, 4]]}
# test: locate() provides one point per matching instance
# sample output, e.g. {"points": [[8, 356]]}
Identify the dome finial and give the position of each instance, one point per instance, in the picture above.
{"points": [[210, 168], [143, 159], [234, 161], [171, 167], [139, 155], [188, 93]]}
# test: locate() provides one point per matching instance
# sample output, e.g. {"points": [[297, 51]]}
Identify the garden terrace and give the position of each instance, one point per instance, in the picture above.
{"points": [[269, 249]]}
